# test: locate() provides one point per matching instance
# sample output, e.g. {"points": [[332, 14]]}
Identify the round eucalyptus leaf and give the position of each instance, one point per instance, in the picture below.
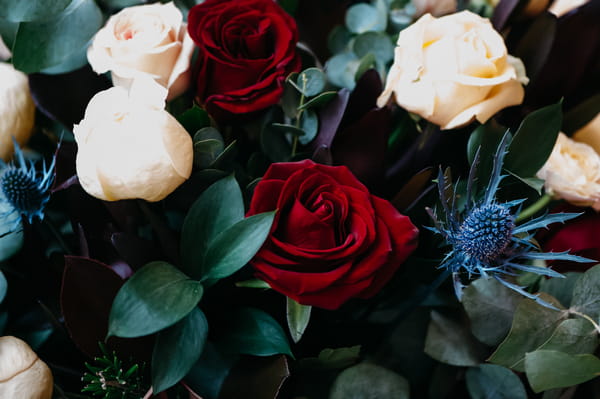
{"points": [[378, 44], [311, 81], [363, 17], [341, 69]]}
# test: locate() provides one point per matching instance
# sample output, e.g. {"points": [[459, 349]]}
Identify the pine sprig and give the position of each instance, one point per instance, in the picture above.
{"points": [[109, 379]]}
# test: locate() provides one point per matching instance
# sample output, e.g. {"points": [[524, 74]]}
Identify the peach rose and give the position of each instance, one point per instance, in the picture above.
{"points": [[434, 7], [130, 147], [572, 172], [17, 110], [145, 40], [453, 70], [22, 373]]}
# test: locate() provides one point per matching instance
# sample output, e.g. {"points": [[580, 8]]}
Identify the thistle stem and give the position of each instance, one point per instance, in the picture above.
{"points": [[534, 208]]}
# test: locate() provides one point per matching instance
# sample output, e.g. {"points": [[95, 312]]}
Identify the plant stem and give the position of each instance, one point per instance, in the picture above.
{"points": [[56, 234], [588, 318], [299, 115], [534, 208]]}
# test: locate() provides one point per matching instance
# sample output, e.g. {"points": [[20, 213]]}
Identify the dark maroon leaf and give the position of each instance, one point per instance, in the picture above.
{"points": [[256, 378], [581, 114], [535, 45], [413, 189], [64, 97], [364, 97], [323, 155], [502, 13], [166, 237], [330, 118]]}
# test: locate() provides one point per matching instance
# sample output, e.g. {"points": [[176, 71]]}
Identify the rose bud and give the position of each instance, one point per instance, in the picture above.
{"points": [[22, 373], [149, 40], [453, 70], [17, 110], [130, 147], [572, 172]]}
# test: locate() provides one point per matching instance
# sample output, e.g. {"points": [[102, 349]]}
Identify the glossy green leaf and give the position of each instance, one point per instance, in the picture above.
{"points": [[364, 17], [311, 82], [40, 45], [586, 293], [3, 286], [218, 208], [368, 380], [298, 317], [155, 297], [207, 376], [580, 115], [534, 140], [318, 101], [547, 369], [234, 247], [31, 10], [309, 122], [367, 62], [194, 119], [177, 349], [450, 343], [573, 336], [376, 43], [254, 332], [532, 325], [489, 381], [486, 137], [490, 307]]}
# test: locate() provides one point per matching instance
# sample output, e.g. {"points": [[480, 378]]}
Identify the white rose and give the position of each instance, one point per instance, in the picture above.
{"points": [[22, 374], [145, 40], [573, 173], [130, 147], [561, 7], [17, 110], [452, 70], [434, 7], [4, 51]]}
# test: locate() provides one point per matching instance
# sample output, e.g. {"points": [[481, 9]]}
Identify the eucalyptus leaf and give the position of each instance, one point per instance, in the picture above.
{"points": [[311, 82], [254, 332], [234, 247], [532, 326], [367, 62], [320, 100], [218, 208], [341, 69], [309, 122], [548, 369], [368, 380], [490, 307], [194, 119], [586, 293], [489, 381], [331, 359], [298, 316], [177, 349], [561, 288], [274, 145], [364, 17], [376, 43], [338, 39], [31, 10], [208, 145], [155, 297], [41, 45], [573, 336], [286, 128], [3, 286]]}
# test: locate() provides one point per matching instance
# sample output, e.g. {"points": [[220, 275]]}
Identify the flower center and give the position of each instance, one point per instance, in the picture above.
{"points": [[486, 232], [23, 191]]}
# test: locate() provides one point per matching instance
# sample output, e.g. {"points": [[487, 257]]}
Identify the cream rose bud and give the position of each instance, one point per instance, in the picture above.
{"points": [[434, 7], [145, 40], [17, 110], [453, 70], [130, 147], [23, 374], [572, 172]]}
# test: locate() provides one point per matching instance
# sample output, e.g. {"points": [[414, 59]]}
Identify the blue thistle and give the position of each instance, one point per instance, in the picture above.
{"points": [[24, 191], [485, 239]]}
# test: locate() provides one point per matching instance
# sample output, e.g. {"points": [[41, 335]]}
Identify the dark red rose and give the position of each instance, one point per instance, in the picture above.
{"points": [[246, 50], [331, 239]]}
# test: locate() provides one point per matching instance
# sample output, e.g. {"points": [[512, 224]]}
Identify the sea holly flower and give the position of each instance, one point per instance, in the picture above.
{"points": [[485, 238]]}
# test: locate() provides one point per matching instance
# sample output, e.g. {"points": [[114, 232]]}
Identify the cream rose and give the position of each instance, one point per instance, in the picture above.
{"points": [[572, 172], [145, 40], [4, 51], [561, 7], [22, 373], [434, 7], [130, 147], [17, 110], [452, 70]]}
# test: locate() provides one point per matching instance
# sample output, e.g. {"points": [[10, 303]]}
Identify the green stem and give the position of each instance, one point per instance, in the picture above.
{"points": [[54, 231], [534, 208], [299, 115]]}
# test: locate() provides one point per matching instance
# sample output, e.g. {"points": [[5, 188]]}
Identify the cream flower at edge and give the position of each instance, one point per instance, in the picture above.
{"points": [[453, 70], [572, 172], [130, 147], [147, 40], [561, 7], [434, 7]]}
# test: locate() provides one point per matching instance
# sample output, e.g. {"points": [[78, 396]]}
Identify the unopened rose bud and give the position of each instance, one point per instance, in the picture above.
{"points": [[17, 110], [23, 374]]}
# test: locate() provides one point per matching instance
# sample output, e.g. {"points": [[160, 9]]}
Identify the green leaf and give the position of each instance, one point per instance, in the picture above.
{"points": [[31, 10], [177, 349], [533, 182], [207, 376], [41, 45], [368, 380], [366, 62], [586, 293], [155, 297], [234, 247], [194, 119], [338, 39], [118, 4], [318, 101], [561, 288], [548, 369], [253, 283], [309, 122], [8, 32], [3, 286], [289, 6], [581, 114], [534, 140], [341, 69], [254, 332], [487, 137], [376, 43], [310, 82], [531, 327], [490, 307], [450, 343], [331, 359], [363, 17], [208, 145], [298, 317], [573, 336], [274, 145], [218, 208], [489, 381], [285, 128]]}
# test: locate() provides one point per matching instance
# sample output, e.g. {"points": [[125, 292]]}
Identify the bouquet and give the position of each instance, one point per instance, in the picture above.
{"points": [[227, 199]]}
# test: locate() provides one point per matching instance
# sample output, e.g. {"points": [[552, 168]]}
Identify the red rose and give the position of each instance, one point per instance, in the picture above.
{"points": [[331, 239], [246, 50]]}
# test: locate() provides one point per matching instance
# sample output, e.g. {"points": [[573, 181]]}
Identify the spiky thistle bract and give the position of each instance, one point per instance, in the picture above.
{"points": [[484, 238], [24, 191]]}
